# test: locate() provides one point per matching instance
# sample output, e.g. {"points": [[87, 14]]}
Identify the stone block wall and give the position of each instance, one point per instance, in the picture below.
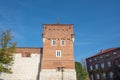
{"points": [[24, 67]]}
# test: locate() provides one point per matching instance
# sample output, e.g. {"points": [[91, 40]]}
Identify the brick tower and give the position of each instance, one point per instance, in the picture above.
{"points": [[58, 53]]}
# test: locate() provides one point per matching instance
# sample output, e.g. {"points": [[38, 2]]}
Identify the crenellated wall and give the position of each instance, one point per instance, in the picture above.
{"points": [[24, 67]]}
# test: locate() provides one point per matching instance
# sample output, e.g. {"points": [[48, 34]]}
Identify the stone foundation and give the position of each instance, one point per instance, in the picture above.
{"points": [[52, 74]]}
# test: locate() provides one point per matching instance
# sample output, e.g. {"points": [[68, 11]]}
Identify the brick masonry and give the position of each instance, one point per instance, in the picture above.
{"points": [[58, 32], [31, 63]]}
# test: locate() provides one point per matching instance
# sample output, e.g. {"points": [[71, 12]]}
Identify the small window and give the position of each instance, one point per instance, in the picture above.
{"points": [[62, 42], [114, 52], [102, 65], [101, 57], [91, 67], [58, 53], [111, 74], [98, 76], [96, 66], [92, 78], [109, 64], [90, 60], [107, 55], [95, 58], [53, 42], [104, 75]]}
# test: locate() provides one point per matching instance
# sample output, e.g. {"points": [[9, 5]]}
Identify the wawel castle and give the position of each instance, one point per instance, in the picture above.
{"points": [[55, 61]]}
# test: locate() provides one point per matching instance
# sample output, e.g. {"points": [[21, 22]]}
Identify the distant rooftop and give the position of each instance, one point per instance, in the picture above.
{"points": [[104, 51]]}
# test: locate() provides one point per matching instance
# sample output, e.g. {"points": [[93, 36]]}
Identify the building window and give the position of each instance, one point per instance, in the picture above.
{"points": [[107, 55], [101, 57], [114, 52], [102, 65], [111, 74], [53, 42], [91, 67], [96, 66], [95, 58], [90, 60], [92, 78], [58, 53], [109, 63], [98, 76], [104, 75], [62, 42]]}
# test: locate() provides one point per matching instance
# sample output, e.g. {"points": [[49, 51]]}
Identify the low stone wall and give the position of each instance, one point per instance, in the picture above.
{"points": [[52, 74], [24, 68]]}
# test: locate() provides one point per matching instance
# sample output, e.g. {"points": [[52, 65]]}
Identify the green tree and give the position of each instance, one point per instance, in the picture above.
{"points": [[80, 71], [7, 48]]}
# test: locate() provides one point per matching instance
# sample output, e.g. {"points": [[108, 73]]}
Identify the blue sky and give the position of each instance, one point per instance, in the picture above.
{"points": [[96, 22]]}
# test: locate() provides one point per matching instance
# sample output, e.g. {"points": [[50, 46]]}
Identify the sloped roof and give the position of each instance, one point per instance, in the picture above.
{"points": [[104, 51]]}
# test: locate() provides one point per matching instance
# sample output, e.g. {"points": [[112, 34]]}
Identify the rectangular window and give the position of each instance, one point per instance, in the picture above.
{"points": [[111, 74], [92, 78], [98, 76], [90, 60], [104, 75], [107, 55], [109, 64], [58, 53], [102, 65], [53, 42], [96, 66], [91, 67], [114, 52], [101, 57], [95, 58], [62, 42]]}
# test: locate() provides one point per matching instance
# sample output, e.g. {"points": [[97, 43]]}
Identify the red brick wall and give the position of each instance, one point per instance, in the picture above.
{"points": [[26, 50], [58, 32]]}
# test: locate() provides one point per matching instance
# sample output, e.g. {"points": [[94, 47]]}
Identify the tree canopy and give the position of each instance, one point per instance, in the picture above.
{"points": [[80, 71], [7, 48]]}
